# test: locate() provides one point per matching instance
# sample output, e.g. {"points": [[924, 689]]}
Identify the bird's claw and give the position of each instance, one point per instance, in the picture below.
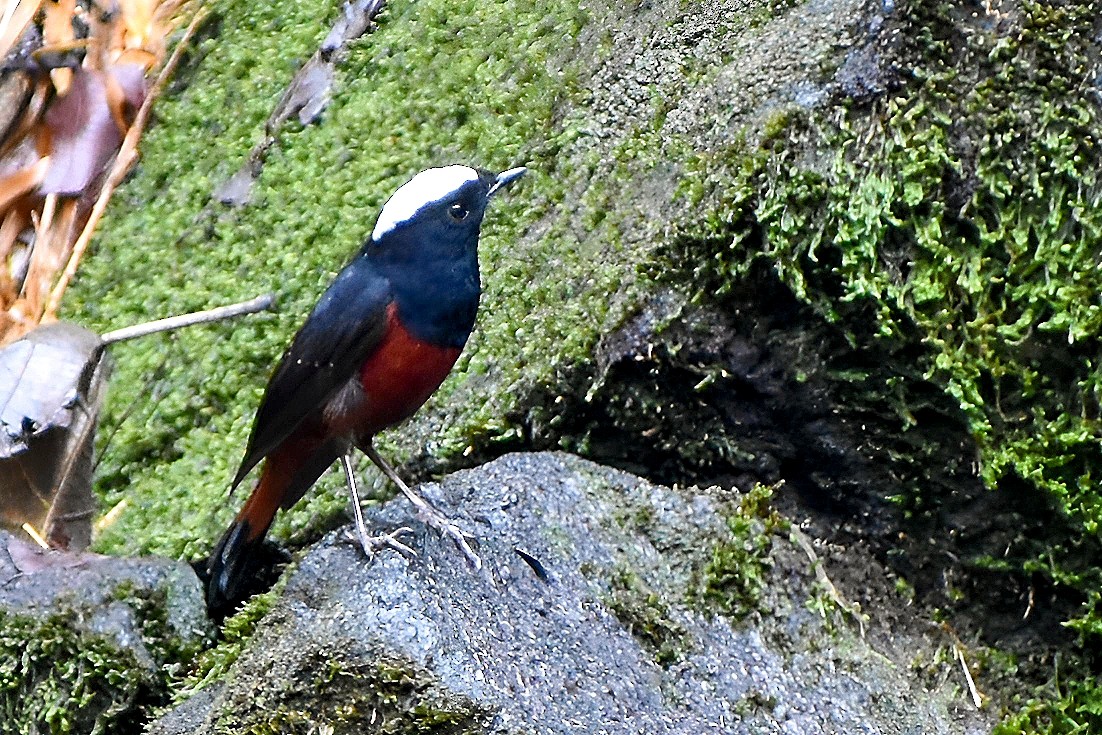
{"points": [[448, 527], [371, 545]]}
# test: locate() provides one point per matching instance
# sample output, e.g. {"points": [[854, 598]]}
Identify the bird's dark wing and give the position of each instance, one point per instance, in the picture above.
{"points": [[347, 324]]}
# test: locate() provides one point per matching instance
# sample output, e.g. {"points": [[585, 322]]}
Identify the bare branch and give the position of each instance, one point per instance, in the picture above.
{"points": [[260, 303]]}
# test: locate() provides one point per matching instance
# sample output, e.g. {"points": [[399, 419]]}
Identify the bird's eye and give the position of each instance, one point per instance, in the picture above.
{"points": [[458, 212]]}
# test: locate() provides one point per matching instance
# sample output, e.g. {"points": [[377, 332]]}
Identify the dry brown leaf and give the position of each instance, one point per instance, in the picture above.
{"points": [[10, 227], [52, 246], [138, 57], [15, 92], [14, 222], [18, 183], [51, 388], [57, 31], [43, 261], [63, 154], [57, 22], [18, 132], [30, 559], [82, 135], [128, 153]]}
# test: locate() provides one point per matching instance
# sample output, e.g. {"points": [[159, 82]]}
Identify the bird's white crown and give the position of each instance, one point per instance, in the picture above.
{"points": [[423, 190]]}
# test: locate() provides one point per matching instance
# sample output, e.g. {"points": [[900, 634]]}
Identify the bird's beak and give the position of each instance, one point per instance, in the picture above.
{"points": [[505, 178]]}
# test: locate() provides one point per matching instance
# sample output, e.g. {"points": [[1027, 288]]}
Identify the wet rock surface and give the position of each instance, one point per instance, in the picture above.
{"points": [[87, 641], [102, 592], [610, 626]]}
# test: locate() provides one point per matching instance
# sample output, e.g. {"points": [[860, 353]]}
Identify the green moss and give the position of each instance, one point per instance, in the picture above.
{"points": [[969, 212], [960, 213], [329, 694], [1075, 708], [756, 702], [733, 579], [825, 605], [57, 677], [151, 610], [391, 697], [180, 406], [646, 616], [905, 590], [213, 664]]}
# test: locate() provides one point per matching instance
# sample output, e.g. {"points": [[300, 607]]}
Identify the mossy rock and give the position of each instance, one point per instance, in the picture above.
{"points": [[847, 244], [617, 619], [90, 644]]}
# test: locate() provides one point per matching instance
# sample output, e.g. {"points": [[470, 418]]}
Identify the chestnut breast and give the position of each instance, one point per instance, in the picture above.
{"points": [[393, 382]]}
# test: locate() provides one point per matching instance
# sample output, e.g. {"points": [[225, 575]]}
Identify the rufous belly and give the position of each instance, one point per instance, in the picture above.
{"points": [[394, 381]]}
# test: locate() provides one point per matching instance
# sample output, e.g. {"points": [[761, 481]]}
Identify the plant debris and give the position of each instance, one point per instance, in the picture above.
{"points": [[306, 97], [52, 383], [76, 81]]}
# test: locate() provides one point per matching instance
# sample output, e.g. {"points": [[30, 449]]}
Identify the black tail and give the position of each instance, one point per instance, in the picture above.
{"points": [[232, 568], [242, 563]]}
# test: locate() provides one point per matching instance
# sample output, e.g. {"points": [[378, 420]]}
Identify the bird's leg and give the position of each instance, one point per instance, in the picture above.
{"points": [[371, 544], [426, 511]]}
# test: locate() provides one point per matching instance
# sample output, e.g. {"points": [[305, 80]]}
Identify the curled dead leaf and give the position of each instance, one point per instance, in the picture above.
{"points": [[84, 128], [52, 384], [19, 183]]}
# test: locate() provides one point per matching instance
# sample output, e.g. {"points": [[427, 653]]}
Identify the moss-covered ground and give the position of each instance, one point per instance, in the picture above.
{"points": [[393, 698], [961, 205], [954, 209], [436, 83], [54, 678], [59, 674]]}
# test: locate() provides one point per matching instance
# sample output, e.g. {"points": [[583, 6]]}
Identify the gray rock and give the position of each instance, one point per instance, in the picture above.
{"points": [[189, 717], [611, 631], [106, 592], [39, 582], [89, 638]]}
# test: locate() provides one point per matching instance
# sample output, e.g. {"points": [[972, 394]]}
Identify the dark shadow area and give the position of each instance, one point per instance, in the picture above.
{"points": [[758, 388], [266, 564]]}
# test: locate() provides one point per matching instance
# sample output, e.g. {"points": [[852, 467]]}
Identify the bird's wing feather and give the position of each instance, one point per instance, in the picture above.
{"points": [[347, 324]]}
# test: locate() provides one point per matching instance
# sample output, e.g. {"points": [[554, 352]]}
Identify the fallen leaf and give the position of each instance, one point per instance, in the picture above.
{"points": [[29, 559], [18, 183], [15, 93], [81, 135], [51, 387]]}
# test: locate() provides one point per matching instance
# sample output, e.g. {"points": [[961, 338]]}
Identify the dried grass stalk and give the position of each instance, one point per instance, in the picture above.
{"points": [[93, 78]]}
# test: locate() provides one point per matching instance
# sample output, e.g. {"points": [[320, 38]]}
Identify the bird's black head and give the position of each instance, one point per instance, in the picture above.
{"points": [[425, 243], [441, 206]]}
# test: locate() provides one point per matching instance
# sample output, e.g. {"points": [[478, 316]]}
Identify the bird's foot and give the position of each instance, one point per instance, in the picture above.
{"points": [[371, 545], [431, 516], [428, 513]]}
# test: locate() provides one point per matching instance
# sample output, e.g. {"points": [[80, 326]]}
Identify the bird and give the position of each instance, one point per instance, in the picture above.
{"points": [[379, 341]]}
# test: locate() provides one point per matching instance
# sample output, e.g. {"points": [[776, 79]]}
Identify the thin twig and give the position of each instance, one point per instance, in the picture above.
{"points": [[34, 534], [851, 608], [958, 653], [260, 303], [110, 516], [977, 699], [123, 160]]}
